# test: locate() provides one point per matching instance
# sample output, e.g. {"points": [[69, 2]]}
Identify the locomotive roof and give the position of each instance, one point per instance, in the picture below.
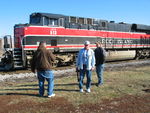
{"points": [[136, 27], [49, 15], [143, 27]]}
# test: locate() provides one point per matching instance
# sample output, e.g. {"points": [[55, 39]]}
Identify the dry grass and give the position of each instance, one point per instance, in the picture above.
{"points": [[116, 85]]}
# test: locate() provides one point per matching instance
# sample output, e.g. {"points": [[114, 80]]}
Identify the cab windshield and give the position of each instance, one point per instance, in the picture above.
{"points": [[35, 20]]}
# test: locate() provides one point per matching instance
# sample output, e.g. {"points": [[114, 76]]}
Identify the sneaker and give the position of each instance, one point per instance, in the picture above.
{"points": [[98, 84], [88, 90], [81, 90], [52, 95], [40, 95]]}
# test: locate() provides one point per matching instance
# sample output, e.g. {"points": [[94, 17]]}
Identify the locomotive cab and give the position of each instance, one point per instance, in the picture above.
{"points": [[44, 19]]}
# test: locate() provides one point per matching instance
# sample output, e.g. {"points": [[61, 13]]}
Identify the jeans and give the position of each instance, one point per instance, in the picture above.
{"points": [[49, 76], [88, 75], [99, 71]]}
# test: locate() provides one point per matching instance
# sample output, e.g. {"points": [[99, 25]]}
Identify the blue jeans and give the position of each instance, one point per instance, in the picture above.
{"points": [[88, 75], [49, 76], [99, 71]]}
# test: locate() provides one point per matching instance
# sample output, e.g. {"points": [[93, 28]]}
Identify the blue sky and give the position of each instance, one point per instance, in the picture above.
{"points": [[17, 11]]}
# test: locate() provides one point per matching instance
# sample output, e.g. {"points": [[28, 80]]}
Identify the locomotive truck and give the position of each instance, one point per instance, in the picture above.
{"points": [[65, 36]]}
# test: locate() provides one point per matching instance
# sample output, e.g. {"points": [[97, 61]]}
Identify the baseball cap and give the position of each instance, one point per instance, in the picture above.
{"points": [[86, 43]]}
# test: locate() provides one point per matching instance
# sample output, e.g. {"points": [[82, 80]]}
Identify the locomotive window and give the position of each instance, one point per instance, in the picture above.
{"points": [[95, 22], [35, 20], [46, 21], [81, 20], [24, 41], [61, 20], [53, 21], [103, 24], [89, 21], [73, 19]]}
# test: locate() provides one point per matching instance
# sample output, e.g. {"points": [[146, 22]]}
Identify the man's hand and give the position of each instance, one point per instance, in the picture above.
{"points": [[77, 69], [92, 69]]}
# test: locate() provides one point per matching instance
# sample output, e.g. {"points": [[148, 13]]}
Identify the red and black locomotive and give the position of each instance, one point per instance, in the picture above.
{"points": [[65, 35]]}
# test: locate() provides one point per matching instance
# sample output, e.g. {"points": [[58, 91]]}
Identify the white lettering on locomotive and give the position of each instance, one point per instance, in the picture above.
{"points": [[53, 32], [117, 41]]}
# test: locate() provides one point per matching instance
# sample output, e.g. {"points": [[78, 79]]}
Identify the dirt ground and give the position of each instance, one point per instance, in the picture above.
{"points": [[125, 104], [9, 103]]}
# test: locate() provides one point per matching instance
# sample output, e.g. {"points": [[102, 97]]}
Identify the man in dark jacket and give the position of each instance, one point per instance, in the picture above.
{"points": [[100, 56], [42, 63]]}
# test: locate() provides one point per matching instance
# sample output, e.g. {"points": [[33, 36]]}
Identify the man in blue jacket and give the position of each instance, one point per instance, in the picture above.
{"points": [[85, 64]]}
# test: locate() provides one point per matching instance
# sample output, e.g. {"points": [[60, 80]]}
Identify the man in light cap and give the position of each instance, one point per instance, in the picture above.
{"points": [[86, 43], [85, 64]]}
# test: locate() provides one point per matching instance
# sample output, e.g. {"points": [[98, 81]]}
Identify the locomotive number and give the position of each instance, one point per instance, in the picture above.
{"points": [[53, 32]]}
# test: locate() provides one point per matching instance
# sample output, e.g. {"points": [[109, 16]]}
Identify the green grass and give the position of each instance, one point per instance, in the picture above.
{"points": [[116, 84]]}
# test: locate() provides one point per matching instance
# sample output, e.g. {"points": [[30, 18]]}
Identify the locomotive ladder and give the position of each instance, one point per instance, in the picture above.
{"points": [[18, 58]]}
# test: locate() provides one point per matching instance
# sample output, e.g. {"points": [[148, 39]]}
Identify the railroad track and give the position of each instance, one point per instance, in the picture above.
{"points": [[27, 75], [114, 64]]}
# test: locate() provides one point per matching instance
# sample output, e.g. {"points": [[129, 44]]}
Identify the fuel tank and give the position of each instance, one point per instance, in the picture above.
{"points": [[120, 55]]}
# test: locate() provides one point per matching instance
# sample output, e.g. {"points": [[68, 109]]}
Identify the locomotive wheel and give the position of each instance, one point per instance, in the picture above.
{"points": [[138, 55]]}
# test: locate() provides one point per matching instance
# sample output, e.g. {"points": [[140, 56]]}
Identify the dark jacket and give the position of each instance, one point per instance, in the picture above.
{"points": [[100, 55], [42, 60]]}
